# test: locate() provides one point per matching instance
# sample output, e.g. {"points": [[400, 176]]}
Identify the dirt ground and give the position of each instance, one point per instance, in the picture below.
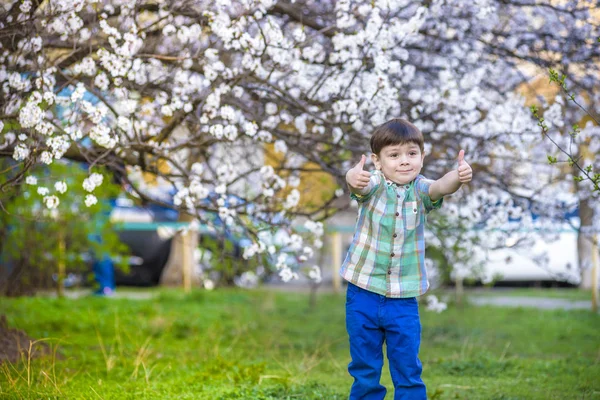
{"points": [[15, 344]]}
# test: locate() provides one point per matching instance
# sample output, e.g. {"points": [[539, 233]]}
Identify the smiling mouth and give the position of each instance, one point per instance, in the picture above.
{"points": [[405, 172]]}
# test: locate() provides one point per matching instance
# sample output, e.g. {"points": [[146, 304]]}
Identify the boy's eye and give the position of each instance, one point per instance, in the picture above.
{"points": [[393, 155], [413, 153]]}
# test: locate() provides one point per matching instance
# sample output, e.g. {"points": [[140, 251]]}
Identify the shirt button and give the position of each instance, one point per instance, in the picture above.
{"points": [[395, 235], [397, 214], [392, 254], [389, 271]]}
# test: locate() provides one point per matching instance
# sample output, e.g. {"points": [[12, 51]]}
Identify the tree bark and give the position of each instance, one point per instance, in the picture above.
{"points": [[173, 273], [584, 245]]}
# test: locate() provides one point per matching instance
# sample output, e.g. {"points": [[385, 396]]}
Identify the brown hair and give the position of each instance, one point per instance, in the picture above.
{"points": [[393, 132]]}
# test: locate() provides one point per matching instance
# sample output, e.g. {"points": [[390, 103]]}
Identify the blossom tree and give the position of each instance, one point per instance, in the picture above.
{"points": [[206, 95]]}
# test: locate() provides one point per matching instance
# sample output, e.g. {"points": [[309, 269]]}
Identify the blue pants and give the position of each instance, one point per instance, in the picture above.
{"points": [[372, 319]]}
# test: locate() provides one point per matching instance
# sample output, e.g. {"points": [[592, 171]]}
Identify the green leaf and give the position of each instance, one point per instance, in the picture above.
{"points": [[553, 75]]}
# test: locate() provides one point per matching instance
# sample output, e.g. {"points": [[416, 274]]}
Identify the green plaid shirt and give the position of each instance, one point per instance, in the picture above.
{"points": [[387, 253]]}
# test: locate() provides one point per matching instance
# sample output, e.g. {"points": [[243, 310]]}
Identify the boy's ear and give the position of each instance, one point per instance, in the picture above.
{"points": [[376, 161]]}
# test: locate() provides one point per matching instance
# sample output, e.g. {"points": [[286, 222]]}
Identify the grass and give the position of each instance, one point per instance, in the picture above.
{"points": [[571, 294], [234, 344]]}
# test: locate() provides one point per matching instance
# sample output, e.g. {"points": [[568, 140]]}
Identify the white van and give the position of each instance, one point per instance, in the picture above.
{"points": [[550, 259]]}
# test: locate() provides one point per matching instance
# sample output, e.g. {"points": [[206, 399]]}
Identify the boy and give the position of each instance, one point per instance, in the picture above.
{"points": [[385, 264]]}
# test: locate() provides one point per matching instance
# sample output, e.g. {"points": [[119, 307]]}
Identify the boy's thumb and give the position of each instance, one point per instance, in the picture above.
{"points": [[362, 161], [461, 156]]}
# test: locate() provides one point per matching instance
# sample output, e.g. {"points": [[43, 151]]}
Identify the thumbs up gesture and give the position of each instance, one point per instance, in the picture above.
{"points": [[358, 178], [465, 173]]}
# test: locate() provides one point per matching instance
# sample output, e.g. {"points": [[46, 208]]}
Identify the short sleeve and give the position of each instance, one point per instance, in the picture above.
{"points": [[422, 186], [374, 183]]}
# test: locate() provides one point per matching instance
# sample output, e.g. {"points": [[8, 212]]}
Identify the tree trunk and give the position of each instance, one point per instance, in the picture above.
{"points": [[60, 281], [595, 267], [176, 268], [584, 245], [314, 286]]}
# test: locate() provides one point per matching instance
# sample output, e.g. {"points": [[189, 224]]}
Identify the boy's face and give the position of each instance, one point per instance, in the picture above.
{"points": [[400, 163]]}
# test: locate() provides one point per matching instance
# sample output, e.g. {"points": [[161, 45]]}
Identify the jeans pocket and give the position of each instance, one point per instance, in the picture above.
{"points": [[351, 292]]}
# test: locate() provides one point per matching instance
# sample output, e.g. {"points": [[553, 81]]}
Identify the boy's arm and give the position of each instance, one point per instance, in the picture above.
{"points": [[359, 180], [453, 180]]}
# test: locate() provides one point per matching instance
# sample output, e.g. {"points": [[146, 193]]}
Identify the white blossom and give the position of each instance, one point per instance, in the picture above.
{"points": [[90, 200], [49, 97], [287, 274], [433, 304], [271, 108], [101, 81], [25, 6], [280, 146], [247, 279], [92, 182], [101, 135], [46, 157], [21, 152], [315, 274], [30, 115], [60, 186], [208, 284], [197, 169], [51, 202], [250, 128], [292, 199]]}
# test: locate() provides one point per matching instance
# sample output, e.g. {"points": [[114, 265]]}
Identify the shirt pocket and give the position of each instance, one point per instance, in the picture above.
{"points": [[411, 215]]}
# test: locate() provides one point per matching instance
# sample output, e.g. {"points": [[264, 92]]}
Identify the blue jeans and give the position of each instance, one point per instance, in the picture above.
{"points": [[372, 319]]}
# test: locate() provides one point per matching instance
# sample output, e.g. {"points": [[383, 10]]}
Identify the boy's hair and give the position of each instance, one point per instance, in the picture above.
{"points": [[393, 132]]}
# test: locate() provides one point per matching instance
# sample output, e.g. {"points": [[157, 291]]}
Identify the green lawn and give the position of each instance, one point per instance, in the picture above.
{"points": [[572, 294], [233, 344]]}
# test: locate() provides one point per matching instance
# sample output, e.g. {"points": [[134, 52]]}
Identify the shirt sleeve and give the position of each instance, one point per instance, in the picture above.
{"points": [[422, 185], [374, 183]]}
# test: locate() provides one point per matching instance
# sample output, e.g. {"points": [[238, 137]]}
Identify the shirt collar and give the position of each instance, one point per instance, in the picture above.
{"points": [[397, 185]]}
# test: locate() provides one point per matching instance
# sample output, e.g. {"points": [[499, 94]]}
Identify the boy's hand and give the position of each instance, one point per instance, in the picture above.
{"points": [[356, 177], [465, 173], [451, 182]]}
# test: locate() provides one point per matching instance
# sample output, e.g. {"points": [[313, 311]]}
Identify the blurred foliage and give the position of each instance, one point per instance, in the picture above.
{"points": [[457, 241], [30, 232], [222, 262]]}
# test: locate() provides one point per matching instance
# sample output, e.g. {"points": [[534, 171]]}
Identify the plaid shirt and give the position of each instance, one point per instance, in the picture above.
{"points": [[387, 253]]}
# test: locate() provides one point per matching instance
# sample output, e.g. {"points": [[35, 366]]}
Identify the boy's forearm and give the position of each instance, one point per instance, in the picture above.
{"points": [[446, 185], [360, 192]]}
